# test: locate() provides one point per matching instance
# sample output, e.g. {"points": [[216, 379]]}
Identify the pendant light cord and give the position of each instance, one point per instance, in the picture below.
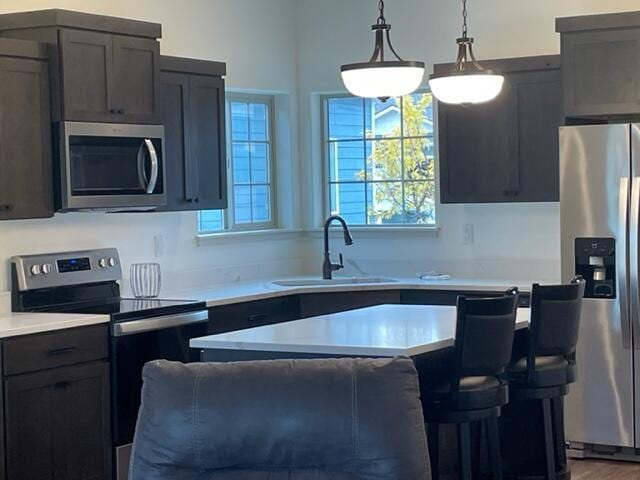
{"points": [[464, 18]]}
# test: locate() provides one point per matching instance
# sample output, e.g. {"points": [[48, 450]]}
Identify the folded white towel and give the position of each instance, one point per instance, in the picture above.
{"points": [[432, 275]]}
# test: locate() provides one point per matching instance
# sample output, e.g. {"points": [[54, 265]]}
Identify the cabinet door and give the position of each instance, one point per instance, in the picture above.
{"points": [[25, 140], [314, 304], [601, 72], [136, 73], [206, 173], [87, 76], [474, 151], [536, 114], [174, 115], [58, 424]]}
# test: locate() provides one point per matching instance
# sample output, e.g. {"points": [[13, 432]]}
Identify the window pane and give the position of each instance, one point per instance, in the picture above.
{"points": [[258, 122], [346, 118], [346, 161], [418, 115], [210, 220], [382, 118], [385, 203], [384, 160], [242, 204], [397, 182], [259, 163], [260, 203], [240, 155], [418, 159], [420, 202], [239, 121], [348, 200]]}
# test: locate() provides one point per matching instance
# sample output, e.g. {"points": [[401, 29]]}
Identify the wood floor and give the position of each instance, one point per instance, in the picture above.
{"points": [[604, 470]]}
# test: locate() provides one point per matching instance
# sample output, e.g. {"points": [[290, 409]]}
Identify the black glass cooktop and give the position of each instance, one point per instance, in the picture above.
{"points": [[138, 308]]}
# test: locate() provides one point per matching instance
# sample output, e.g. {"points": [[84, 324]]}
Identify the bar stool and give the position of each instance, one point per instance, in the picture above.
{"points": [[475, 390], [549, 366]]}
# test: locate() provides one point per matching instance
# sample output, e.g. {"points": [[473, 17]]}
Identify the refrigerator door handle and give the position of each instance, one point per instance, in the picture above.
{"points": [[623, 211], [634, 259]]}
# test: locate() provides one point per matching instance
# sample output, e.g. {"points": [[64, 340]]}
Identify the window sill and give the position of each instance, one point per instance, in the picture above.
{"points": [[380, 232], [235, 235]]}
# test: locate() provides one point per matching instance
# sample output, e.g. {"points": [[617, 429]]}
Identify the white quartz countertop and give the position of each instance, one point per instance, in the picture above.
{"points": [[13, 324], [383, 330], [258, 290]]}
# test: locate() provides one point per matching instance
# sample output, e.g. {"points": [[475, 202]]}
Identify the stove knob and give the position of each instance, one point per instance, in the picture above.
{"points": [[102, 262], [35, 269], [46, 268], [112, 262]]}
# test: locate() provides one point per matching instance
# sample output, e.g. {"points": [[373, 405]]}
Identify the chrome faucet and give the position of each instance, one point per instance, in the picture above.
{"points": [[327, 267]]}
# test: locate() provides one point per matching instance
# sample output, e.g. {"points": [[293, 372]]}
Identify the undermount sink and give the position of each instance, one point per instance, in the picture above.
{"points": [[334, 281]]}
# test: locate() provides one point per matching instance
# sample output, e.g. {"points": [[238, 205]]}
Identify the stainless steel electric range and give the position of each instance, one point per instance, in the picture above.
{"points": [[141, 329]]}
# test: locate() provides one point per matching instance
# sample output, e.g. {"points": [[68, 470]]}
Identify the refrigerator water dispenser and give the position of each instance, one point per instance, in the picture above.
{"points": [[596, 261]]}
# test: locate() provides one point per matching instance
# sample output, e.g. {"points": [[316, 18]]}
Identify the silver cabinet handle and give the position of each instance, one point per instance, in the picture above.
{"points": [[623, 292], [154, 165]]}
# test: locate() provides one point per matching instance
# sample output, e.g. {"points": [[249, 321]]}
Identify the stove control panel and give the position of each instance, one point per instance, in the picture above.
{"points": [[32, 272]]}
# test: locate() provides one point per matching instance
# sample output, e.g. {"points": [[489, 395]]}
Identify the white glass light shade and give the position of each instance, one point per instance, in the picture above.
{"points": [[466, 89], [381, 82]]}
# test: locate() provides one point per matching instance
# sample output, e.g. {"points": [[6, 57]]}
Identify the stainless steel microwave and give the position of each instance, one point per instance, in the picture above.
{"points": [[110, 166]]}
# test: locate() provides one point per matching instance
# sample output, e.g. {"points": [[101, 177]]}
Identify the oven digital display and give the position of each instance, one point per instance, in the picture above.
{"points": [[73, 265]]}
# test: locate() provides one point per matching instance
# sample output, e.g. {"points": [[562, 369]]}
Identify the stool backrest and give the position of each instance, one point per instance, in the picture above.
{"points": [[555, 320], [484, 335]]}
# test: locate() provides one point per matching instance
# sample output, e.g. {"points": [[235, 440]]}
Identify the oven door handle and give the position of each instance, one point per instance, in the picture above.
{"points": [[158, 323], [154, 165]]}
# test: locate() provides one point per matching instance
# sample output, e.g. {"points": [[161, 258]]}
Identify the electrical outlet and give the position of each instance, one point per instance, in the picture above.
{"points": [[468, 234], [158, 245]]}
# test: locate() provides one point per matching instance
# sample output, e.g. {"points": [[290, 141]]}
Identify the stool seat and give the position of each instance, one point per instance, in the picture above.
{"points": [[474, 393], [549, 371]]}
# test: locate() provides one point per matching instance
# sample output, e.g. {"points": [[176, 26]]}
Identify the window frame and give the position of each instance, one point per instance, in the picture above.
{"points": [[326, 174], [228, 214]]}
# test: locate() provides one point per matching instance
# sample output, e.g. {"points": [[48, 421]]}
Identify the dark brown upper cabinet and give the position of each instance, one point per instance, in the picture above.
{"points": [[505, 150], [192, 107], [601, 64], [106, 69], [25, 131]]}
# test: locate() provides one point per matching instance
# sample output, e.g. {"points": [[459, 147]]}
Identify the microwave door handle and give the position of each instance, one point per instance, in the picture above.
{"points": [[142, 173], [154, 165]]}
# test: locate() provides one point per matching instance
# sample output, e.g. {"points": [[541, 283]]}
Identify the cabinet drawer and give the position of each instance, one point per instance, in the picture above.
{"points": [[253, 314], [54, 349]]}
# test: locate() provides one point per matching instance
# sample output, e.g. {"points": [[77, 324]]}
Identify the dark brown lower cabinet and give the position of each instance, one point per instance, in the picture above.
{"points": [[313, 304], [57, 424], [238, 316]]}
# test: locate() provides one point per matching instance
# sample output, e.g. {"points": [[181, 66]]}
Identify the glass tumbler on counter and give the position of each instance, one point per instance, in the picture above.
{"points": [[145, 280]]}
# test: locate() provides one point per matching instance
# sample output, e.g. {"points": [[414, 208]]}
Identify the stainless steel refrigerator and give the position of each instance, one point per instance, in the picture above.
{"points": [[600, 208]]}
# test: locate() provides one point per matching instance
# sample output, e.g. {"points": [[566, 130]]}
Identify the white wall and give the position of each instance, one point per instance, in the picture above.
{"points": [[511, 240], [257, 40]]}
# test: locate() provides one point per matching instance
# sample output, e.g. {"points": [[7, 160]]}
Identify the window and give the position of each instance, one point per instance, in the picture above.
{"points": [[380, 159], [250, 167]]}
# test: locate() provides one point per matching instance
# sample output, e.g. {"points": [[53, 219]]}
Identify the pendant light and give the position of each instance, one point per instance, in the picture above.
{"points": [[468, 82], [380, 78]]}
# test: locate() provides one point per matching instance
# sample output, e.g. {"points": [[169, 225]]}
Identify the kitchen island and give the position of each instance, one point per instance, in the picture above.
{"points": [[380, 331], [426, 333]]}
